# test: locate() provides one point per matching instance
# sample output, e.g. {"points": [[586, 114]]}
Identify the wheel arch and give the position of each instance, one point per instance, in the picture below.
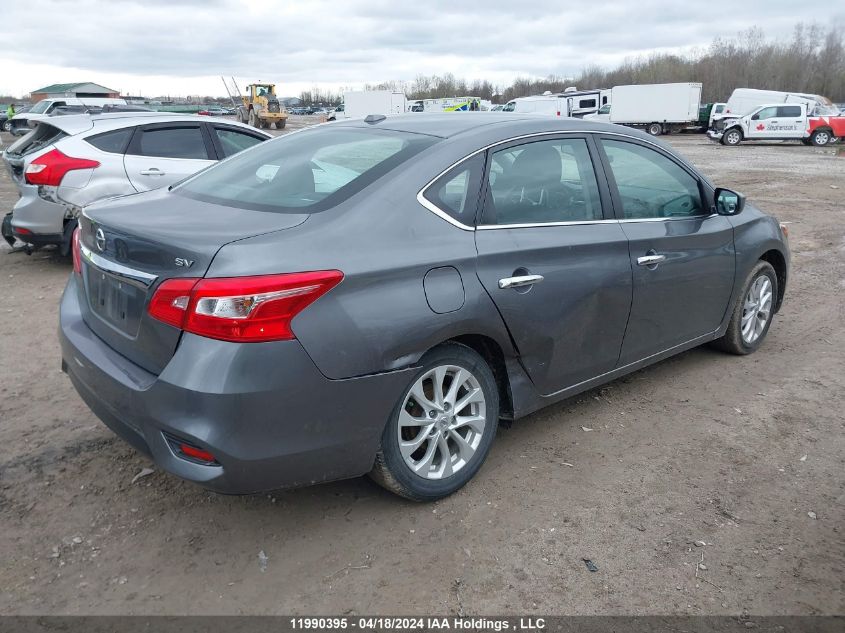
{"points": [[778, 262], [492, 353]]}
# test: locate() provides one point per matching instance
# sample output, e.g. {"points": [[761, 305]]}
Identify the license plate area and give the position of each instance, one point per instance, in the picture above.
{"points": [[115, 300]]}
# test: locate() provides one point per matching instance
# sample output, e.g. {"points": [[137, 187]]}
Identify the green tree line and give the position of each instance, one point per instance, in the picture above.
{"points": [[812, 60]]}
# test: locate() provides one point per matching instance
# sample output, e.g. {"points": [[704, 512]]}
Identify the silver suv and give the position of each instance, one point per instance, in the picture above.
{"points": [[69, 162]]}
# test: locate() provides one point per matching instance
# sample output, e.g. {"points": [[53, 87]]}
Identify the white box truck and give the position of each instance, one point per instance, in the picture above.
{"points": [[657, 108], [359, 104]]}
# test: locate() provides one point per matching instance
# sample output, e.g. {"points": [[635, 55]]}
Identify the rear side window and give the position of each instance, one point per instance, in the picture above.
{"points": [[542, 182], [308, 171], [787, 111], [172, 142], [114, 142], [234, 141], [587, 103], [456, 192]]}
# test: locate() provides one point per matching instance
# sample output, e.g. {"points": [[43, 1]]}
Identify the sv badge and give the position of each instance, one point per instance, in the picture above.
{"points": [[185, 263]]}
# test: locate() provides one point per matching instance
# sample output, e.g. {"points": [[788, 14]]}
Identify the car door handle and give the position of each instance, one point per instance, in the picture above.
{"points": [[522, 280], [152, 171], [650, 260]]}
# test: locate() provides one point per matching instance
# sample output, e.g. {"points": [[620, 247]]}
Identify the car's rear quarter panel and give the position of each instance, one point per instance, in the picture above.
{"points": [[378, 319]]}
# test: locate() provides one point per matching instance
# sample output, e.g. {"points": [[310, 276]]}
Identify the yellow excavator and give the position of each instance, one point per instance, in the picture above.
{"points": [[259, 107]]}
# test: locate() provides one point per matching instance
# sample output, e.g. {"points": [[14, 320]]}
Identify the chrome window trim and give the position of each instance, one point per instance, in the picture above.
{"points": [[119, 270], [531, 225], [700, 216], [488, 227]]}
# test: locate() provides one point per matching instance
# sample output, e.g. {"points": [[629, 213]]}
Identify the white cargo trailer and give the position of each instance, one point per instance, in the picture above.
{"points": [[358, 104], [569, 103], [657, 108]]}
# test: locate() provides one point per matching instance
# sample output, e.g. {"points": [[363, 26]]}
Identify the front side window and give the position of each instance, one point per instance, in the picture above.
{"points": [[456, 192], [650, 184], [767, 113], [308, 171], [172, 142], [543, 182]]}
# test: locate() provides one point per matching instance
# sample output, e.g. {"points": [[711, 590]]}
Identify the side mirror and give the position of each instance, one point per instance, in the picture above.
{"points": [[728, 202]]}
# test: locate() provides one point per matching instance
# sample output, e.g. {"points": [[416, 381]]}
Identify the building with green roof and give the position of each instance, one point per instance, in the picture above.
{"points": [[79, 90]]}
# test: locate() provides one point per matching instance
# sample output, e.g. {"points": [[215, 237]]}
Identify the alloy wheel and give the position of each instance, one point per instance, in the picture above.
{"points": [[442, 421], [756, 309]]}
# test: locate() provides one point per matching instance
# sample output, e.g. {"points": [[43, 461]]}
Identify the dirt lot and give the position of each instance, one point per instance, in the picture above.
{"points": [[734, 452]]}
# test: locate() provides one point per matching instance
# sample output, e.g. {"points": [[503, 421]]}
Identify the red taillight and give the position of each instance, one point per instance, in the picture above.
{"points": [[77, 256], [170, 301], [51, 168], [241, 309]]}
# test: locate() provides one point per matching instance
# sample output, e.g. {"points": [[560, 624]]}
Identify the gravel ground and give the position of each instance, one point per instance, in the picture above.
{"points": [[734, 461]]}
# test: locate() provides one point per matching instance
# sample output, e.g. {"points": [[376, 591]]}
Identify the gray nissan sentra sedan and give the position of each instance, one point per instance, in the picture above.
{"points": [[373, 296]]}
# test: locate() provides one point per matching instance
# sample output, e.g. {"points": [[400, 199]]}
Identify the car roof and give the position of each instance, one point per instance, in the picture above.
{"points": [[501, 124], [77, 123]]}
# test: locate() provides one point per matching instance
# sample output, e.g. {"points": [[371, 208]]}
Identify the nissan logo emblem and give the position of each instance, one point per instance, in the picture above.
{"points": [[100, 240]]}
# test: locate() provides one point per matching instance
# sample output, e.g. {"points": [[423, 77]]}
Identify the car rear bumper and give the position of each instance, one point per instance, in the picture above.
{"points": [[42, 221], [265, 412]]}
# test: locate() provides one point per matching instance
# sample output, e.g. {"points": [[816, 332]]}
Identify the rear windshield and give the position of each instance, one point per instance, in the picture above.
{"points": [[41, 136], [307, 171]]}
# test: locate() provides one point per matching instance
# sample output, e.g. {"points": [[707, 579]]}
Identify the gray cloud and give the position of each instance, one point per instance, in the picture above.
{"points": [[348, 42]]}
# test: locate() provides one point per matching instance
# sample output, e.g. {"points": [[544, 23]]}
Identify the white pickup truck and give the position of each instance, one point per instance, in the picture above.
{"points": [[780, 121]]}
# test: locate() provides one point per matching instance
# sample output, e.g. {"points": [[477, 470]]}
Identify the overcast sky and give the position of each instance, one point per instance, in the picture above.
{"points": [[181, 47]]}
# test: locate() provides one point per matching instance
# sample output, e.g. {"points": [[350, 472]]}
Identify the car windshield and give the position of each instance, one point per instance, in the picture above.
{"points": [[307, 171], [40, 107]]}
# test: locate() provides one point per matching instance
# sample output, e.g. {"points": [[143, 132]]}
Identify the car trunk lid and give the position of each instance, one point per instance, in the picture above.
{"points": [[130, 245]]}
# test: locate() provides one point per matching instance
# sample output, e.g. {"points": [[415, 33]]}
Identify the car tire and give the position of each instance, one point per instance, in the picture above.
{"points": [[6, 230], [732, 137], [397, 468], [7, 125], [67, 237], [655, 129], [820, 138], [280, 125], [759, 293]]}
